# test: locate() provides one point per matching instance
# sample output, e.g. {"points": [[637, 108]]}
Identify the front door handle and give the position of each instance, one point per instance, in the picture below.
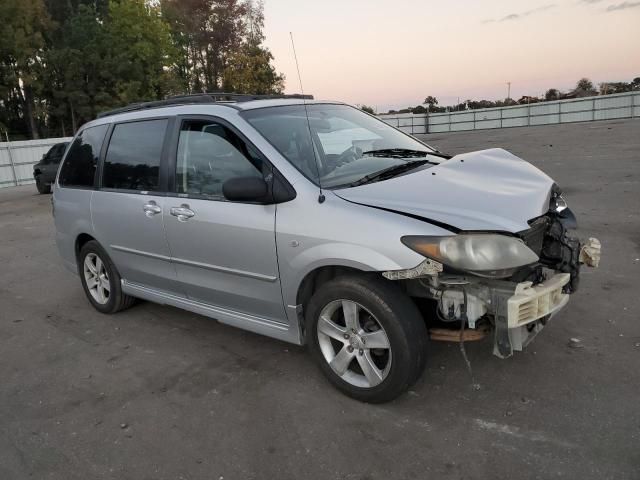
{"points": [[150, 209], [183, 212]]}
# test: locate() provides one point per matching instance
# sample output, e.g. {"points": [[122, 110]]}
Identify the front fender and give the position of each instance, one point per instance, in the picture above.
{"points": [[298, 266], [310, 235], [334, 254]]}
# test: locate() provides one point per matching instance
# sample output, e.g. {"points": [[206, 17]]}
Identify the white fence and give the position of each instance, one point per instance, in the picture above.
{"points": [[620, 105], [17, 159]]}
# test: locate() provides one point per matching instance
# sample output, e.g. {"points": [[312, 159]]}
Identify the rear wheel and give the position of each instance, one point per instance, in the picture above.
{"points": [[101, 280], [367, 337]]}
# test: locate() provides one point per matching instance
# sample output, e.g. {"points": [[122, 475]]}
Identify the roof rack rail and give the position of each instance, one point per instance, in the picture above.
{"points": [[195, 98]]}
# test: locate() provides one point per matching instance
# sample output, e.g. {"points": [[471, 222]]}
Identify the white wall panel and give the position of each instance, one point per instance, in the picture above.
{"points": [[24, 155], [621, 105]]}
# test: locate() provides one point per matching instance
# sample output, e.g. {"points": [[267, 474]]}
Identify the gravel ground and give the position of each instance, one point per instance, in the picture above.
{"points": [[158, 393]]}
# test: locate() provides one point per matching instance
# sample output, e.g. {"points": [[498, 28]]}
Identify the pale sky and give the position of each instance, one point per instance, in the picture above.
{"points": [[393, 53]]}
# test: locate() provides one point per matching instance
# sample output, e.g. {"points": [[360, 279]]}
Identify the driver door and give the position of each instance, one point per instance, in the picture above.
{"points": [[224, 252]]}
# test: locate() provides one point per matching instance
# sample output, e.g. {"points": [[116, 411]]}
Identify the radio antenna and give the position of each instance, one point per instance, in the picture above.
{"points": [[321, 197]]}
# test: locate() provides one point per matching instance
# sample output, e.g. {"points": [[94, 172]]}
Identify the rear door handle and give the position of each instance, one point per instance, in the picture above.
{"points": [[150, 209], [183, 212]]}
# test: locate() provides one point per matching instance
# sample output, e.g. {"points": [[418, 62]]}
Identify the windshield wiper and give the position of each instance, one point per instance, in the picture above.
{"points": [[403, 153], [388, 172]]}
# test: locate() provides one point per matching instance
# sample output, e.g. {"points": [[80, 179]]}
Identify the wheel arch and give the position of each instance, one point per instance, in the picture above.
{"points": [[81, 240], [320, 275], [336, 258]]}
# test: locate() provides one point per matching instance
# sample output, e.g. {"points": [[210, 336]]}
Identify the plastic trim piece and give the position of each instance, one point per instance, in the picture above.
{"points": [[530, 303]]}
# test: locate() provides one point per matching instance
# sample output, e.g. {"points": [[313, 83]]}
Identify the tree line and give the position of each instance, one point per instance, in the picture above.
{"points": [[584, 88], [64, 61]]}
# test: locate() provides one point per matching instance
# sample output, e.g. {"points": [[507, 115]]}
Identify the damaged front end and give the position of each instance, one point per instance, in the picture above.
{"points": [[514, 302]]}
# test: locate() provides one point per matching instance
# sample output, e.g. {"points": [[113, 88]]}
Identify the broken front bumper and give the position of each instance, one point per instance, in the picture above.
{"points": [[516, 309], [519, 316], [529, 303], [529, 308]]}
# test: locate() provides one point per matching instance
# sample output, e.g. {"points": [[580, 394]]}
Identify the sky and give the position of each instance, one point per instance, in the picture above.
{"points": [[393, 53]]}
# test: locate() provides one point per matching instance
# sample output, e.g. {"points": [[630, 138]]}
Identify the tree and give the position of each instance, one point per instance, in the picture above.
{"points": [[64, 61], [106, 61], [61, 10], [249, 70], [23, 28], [220, 46], [552, 94], [138, 52], [475, 104], [584, 84], [76, 83], [584, 88], [607, 88], [431, 101], [368, 109]]}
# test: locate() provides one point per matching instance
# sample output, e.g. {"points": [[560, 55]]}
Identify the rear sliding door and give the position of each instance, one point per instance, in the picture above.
{"points": [[128, 208]]}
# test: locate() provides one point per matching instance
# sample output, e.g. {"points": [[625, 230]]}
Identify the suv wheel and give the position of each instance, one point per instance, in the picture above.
{"points": [[42, 188], [367, 336], [100, 279]]}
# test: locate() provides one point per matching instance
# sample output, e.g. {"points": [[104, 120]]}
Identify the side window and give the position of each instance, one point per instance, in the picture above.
{"points": [[79, 166], [209, 154], [133, 156]]}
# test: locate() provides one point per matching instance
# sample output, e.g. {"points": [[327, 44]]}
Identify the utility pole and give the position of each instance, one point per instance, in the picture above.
{"points": [[508, 90]]}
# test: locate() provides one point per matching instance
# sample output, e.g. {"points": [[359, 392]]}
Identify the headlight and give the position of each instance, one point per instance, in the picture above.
{"points": [[557, 203], [487, 255]]}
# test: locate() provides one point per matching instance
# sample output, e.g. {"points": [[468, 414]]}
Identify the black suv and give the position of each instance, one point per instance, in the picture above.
{"points": [[44, 172]]}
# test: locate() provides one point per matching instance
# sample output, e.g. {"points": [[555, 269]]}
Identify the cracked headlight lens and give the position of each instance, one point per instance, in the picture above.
{"points": [[486, 255]]}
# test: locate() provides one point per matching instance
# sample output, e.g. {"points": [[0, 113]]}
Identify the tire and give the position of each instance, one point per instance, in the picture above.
{"points": [[381, 310], [41, 187], [103, 277]]}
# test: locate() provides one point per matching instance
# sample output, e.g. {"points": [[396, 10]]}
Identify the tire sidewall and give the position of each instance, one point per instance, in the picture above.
{"points": [[114, 278], [403, 346]]}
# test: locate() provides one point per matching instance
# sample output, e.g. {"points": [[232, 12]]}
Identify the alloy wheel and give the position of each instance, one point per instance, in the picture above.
{"points": [[96, 278], [354, 343]]}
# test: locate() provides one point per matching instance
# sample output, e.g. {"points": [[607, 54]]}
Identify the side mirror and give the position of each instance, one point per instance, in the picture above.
{"points": [[245, 189]]}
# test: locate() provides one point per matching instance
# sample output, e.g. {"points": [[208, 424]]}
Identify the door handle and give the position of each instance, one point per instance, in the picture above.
{"points": [[150, 209], [183, 212]]}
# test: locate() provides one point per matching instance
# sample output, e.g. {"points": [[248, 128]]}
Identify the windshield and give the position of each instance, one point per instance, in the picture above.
{"points": [[348, 143]]}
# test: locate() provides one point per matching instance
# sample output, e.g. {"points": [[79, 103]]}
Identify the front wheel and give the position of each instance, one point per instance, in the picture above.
{"points": [[367, 336]]}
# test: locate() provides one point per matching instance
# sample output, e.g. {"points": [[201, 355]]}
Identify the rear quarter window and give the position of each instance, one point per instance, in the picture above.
{"points": [[79, 167]]}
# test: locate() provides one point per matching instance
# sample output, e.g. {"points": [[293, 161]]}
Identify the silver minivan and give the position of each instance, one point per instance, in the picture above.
{"points": [[315, 223]]}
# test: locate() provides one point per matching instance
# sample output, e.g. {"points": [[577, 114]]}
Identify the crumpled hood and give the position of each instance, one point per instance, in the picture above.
{"points": [[484, 190]]}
